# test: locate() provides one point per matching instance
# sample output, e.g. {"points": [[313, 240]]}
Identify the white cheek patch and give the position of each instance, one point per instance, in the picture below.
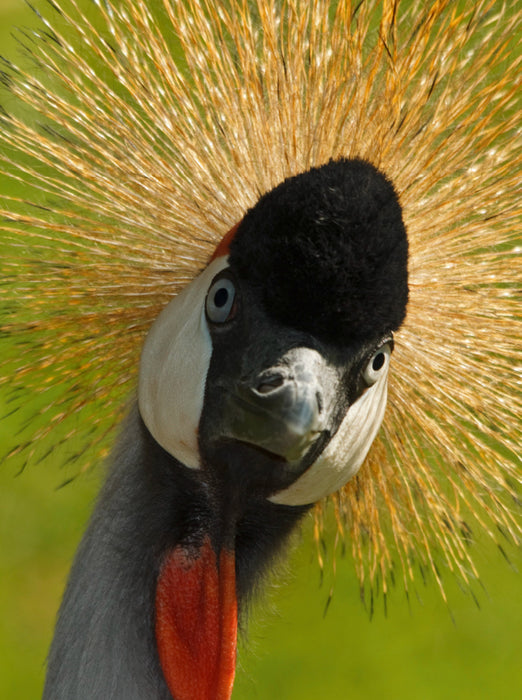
{"points": [[344, 454], [173, 369]]}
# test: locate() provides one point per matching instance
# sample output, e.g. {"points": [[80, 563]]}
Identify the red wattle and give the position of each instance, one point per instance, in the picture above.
{"points": [[196, 622]]}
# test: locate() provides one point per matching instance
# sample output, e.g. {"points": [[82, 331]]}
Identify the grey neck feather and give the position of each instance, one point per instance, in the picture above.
{"points": [[104, 646]]}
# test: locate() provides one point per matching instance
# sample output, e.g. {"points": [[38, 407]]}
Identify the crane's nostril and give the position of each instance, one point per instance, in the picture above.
{"points": [[269, 384], [319, 400]]}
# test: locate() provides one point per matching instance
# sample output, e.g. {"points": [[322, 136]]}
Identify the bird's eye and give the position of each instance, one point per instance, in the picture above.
{"points": [[377, 364], [220, 304]]}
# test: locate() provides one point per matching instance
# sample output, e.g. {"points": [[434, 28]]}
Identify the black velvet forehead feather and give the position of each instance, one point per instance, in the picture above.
{"points": [[327, 252]]}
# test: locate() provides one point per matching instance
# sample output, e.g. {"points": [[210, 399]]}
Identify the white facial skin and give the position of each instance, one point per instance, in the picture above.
{"points": [[346, 451], [173, 371]]}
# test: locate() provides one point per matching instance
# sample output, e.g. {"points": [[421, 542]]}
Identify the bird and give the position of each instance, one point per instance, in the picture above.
{"points": [[248, 380], [180, 155]]}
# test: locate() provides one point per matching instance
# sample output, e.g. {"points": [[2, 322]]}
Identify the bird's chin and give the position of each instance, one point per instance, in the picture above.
{"points": [[261, 470], [261, 452]]}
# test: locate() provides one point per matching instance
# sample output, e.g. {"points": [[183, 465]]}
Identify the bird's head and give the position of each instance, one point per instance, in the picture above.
{"points": [[278, 352], [267, 375]]}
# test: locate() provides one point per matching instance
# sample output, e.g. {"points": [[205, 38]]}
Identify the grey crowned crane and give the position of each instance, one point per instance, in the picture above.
{"points": [[271, 363], [144, 131]]}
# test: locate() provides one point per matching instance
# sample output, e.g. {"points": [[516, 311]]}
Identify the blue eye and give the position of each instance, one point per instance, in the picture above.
{"points": [[220, 300]]}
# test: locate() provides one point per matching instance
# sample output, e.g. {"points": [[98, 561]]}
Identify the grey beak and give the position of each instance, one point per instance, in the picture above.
{"points": [[282, 409]]}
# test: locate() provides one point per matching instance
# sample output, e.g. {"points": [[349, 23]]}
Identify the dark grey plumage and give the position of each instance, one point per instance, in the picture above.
{"points": [[104, 646]]}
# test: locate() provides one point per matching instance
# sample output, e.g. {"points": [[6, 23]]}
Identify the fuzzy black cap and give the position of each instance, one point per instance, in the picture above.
{"points": [[327, 252]]}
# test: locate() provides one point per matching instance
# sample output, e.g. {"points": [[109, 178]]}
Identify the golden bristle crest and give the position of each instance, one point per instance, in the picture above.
{"points": [[144, 130]]}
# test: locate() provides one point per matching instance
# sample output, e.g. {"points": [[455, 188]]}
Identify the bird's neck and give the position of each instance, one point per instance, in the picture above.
{"points": [[104, 644]]}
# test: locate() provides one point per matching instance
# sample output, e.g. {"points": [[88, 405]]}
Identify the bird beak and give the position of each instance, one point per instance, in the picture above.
{"points": [[283, 409], [196, 622]]}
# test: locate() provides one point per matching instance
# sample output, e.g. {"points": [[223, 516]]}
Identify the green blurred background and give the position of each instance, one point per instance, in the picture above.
{"points": [[293, 649]]}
